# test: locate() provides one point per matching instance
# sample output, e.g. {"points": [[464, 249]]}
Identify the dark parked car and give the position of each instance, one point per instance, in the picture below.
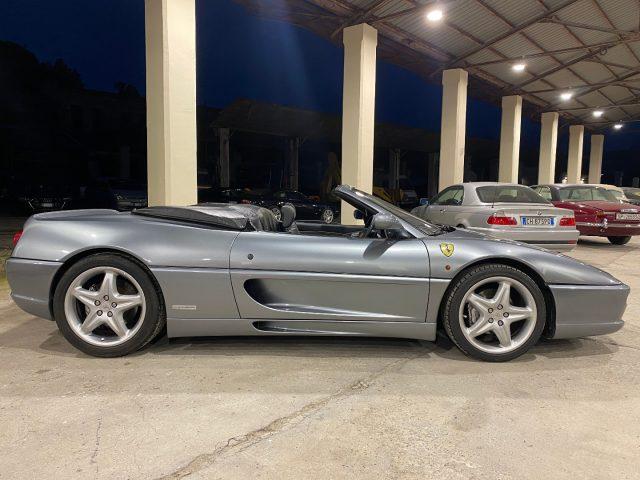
{"points": [[306, 209], [227, 195], [129, 195], [45, 198]]}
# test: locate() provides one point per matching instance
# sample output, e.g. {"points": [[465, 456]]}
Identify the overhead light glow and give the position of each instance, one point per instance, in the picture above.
{"points": [[617, 126], [598, 113], [518, 67], [566, 96], [435, 15]]}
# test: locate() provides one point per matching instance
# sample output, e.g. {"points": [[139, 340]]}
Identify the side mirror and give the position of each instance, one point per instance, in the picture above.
{"points": [[385, 221], [358, 214], [424, 202]]}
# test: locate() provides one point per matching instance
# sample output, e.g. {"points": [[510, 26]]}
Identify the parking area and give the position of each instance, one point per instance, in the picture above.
{"points": [[323, 407]]}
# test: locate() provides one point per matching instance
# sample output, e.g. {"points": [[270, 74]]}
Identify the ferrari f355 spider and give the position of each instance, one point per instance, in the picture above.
{"points": [[113, 281]]}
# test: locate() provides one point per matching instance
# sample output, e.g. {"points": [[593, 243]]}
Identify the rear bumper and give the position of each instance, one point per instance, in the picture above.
{"points": [[30, 282], [608, 229], [554, 239], [583, 310]]}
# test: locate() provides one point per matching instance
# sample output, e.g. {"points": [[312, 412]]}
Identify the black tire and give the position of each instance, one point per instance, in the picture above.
{"points": [[456, 293], [152, 324], [619, 240]]}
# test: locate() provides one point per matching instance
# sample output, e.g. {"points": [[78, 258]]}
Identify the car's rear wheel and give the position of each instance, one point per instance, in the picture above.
{"points": [[277, 214], [108, 306], [327, 215], [494, 312], [619, 240]]}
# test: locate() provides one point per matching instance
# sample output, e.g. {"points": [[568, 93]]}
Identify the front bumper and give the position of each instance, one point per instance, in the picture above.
{"points": [[30, 282], [554, 239], [584, 310]]}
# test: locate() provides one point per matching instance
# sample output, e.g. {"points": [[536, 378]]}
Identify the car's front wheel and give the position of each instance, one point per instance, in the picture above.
{"points": [[494, 312], [619, 240], [108, 306]]}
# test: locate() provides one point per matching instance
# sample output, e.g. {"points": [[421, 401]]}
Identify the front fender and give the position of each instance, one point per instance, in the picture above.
{"points": [[470, 248]]}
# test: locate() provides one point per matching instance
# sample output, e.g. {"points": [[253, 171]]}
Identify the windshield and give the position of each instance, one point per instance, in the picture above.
{"points": [[508, 194], [618, 194], [425, 227], [632, 193], [586, 194]]}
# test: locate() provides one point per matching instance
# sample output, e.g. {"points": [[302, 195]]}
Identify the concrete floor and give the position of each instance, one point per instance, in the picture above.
{"points": [[323, 408]]}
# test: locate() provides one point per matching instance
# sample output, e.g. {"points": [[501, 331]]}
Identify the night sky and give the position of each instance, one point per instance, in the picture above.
{"points": [[239, 56]]}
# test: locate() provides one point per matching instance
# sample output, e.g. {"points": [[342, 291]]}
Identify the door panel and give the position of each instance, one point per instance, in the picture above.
{"points": [[279, 275]]}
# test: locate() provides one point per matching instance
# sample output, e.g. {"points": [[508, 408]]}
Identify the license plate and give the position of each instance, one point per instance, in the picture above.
{"points": [[47, 204], [628, 216], [535, 221]]}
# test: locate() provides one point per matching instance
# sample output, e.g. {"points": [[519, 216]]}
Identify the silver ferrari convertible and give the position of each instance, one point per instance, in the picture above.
{"points": [[114, 281]]}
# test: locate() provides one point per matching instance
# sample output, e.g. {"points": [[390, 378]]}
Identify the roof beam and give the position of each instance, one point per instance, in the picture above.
{"points": [[359, 17], [600, 107], [589, 85], [551, 53], [510, 32], [561, 67], [565, 23]]}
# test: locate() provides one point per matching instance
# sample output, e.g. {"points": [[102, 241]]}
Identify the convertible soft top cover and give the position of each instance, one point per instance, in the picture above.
{"points": [[228, 216]]}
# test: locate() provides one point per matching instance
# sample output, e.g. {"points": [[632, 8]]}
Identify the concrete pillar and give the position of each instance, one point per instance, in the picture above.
{"points": [[293, 162], [595, 158], [548, 147], [452, 130], [224, 177], [170, 33], [358, 109], [510, 139], [574, 163]]}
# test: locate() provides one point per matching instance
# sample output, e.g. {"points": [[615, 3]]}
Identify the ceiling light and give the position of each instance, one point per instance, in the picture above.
{"points": [[518, 67], [435, 15], [598, 113], [566, 96], [617, 126]]}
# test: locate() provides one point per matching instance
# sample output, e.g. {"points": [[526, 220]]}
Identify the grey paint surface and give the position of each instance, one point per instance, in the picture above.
{"points": [[208, 269]]}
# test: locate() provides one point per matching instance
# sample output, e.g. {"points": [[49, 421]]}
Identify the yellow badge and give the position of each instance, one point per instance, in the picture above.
{"points": [[447, 249]]}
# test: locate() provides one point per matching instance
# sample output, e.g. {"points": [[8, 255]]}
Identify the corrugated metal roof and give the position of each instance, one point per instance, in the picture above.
{"points": [[475, 32]]}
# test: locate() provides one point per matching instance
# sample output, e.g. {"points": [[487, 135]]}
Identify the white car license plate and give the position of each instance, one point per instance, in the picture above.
{"points": [[47, 204], [628, 216], [535, 221]]}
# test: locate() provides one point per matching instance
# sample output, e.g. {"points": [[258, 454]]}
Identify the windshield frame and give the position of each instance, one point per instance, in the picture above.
{"points": [[416, 226]]}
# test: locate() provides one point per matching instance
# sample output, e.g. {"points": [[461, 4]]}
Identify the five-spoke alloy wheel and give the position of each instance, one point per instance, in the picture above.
{"points": [[107, 305], [494, 312]]}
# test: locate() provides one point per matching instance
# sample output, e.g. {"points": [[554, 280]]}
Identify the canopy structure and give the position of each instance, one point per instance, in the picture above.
{"points": [[575, 57]]}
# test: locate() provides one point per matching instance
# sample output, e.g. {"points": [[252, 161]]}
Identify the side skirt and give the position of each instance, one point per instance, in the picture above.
{"points": [[251, 327]]}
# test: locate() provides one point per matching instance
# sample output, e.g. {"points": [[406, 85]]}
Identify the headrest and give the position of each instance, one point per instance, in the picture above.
{"points": [[288, 214]]}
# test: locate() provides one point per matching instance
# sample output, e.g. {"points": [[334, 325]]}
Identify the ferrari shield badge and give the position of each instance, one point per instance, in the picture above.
{"points": [[447, 249]]}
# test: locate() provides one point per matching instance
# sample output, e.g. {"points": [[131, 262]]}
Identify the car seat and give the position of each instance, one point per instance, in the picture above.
{"points": [[288, 218]]}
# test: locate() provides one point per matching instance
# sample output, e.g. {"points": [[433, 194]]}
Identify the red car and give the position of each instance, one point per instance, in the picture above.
{"points": [[598, 212]]}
